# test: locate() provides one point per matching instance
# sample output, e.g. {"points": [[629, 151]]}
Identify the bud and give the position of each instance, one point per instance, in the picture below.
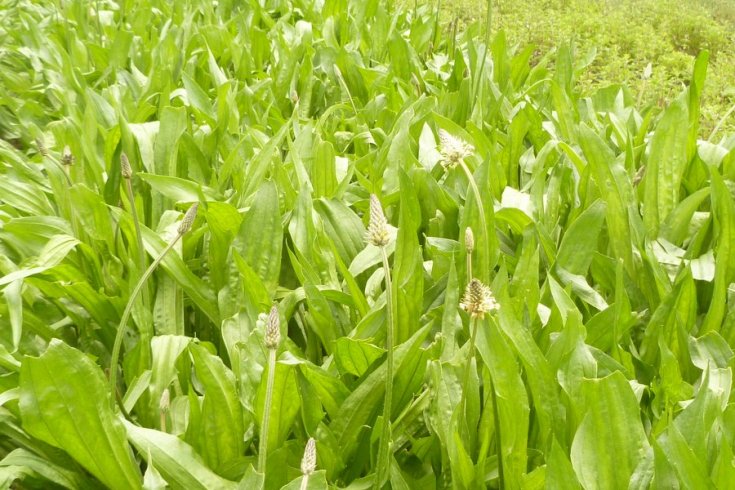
{"points": [[478, 299], [308, 462], [165, 401], [67, 158], [41, 147], [469, 240], [125, 169], [273, 329], [453, 150], [377, 232], [188, 220]]}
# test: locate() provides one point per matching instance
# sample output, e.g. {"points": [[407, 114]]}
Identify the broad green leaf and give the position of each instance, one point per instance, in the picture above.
{"points": [[260, 238], [355, 356], [49, 470], [175, 460], [363, 404], [220, 432], [177, 189], [511, 399], [724, 219], [665, 168], [615, 190], [64, 402], [610, 419], [580, 240], [285, 404]]}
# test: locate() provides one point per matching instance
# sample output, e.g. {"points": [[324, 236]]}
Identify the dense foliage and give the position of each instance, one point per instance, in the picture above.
{"points": [[594, 350]]}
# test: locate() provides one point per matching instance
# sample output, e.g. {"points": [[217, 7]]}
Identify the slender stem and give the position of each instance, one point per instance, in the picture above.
{"points": [[469, 266], [305, 482], [488, 21], [263, 444], [721, 122], [481, 213], [126, 314], [138, 235], [470, 357], [385, 443]]}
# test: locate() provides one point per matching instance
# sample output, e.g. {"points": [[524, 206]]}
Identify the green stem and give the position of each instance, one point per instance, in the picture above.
{"points": [[305, 482], [126, 314], [138, 235], [481, 213], [263, 443], [488, 21], [721, 122], [385, 443], [469, 266], [470, 357]]}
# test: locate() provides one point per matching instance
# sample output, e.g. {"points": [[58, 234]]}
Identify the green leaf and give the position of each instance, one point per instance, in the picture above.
{"points": [[610, 420], [285, 404], [665, 169], [355, 356], [363, 404], [220, 431], [580, 240], [64, 402], [615, 190], [177, 189], [260, 238], [175, 460]]}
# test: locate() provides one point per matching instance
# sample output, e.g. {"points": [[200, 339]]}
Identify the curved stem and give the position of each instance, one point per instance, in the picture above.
{"points": [[263, 443], [721, 122], [384, 449], [138, 235], [126, 314], [481, 213]]}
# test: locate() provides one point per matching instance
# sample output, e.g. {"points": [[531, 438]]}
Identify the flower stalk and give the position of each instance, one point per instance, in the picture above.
{"points": [[379, 236], [184, 227], [127, 174], [478, 301], [272, 340], [453, 152], [469, 245]]}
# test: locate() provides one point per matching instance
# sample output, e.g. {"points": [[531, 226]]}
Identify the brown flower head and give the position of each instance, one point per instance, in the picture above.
{"points": [[478, 299]]}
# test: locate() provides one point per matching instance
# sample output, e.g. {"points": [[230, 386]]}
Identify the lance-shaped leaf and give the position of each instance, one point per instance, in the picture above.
{"points": [[64, 402]]}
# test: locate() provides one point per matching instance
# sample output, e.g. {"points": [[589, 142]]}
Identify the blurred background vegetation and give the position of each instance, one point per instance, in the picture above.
{"points": [[615, 40]]}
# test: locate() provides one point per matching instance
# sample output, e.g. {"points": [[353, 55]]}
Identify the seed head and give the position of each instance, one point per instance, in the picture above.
{"points": [[41, 147], [67, 158], [273, 329], [125, 169], [165, 401], [453, 150], [377, 232], [478, 299], [308, 462], [469, 240], [188, 220]]}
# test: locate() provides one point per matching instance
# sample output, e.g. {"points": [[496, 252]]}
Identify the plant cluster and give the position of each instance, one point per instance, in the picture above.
{"points": [[308, 245]]}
